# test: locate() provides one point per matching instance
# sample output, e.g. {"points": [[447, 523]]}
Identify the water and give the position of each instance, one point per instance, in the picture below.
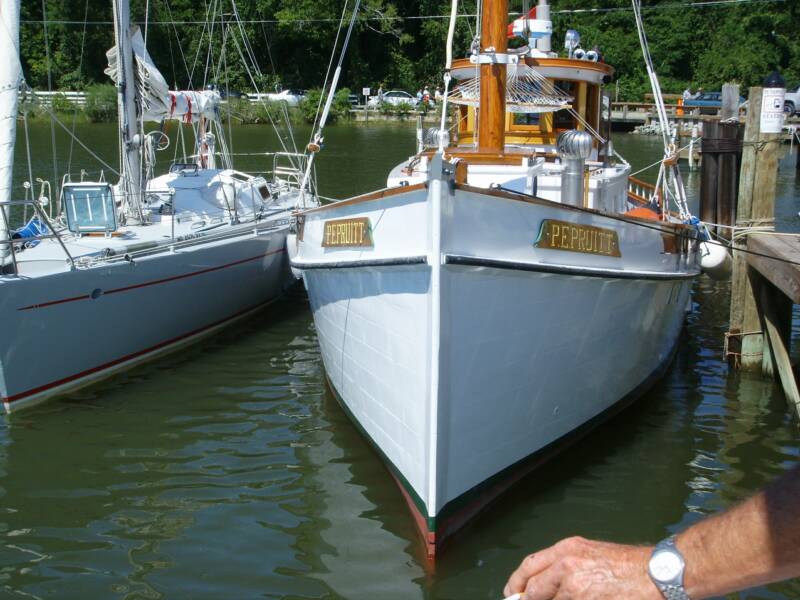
{"points": [[228, 470]]}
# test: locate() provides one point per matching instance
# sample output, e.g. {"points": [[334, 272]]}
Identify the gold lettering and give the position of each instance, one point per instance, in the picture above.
{"points": [[573, 237], [346, 232], [556, 232]]}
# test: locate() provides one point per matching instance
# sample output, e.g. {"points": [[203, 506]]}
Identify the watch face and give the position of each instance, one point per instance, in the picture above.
{"points": [[665, 566]]}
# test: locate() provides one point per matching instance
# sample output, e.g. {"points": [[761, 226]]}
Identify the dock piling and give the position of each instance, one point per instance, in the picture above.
{"points": [[762, 289]]}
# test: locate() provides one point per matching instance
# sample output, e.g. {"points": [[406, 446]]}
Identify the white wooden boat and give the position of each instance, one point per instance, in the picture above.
{"points": [[109, 275], [503, 295]]}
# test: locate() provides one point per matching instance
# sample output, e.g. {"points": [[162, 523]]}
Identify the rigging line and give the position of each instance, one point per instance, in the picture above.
{"points": [[141, 174], [328, 72], [658, 162], [284, 108], [210, 22], [255, 86], [54, 119], [328, 102], [50, 89], [671, 6], [80, 70], [172, 52]]}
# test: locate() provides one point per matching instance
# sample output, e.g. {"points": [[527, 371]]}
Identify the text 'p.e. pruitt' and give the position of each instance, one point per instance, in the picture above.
{"points": [[347, 232], [562, 235]]}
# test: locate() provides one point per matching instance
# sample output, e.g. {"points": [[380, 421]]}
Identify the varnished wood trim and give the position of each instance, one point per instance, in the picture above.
{"points": [[662, 226], [586, 65], [402, 261], [377, 195]]}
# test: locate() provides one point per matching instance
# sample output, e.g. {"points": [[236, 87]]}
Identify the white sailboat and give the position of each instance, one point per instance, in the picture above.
{"points": [[111, 275], [507, 291]]}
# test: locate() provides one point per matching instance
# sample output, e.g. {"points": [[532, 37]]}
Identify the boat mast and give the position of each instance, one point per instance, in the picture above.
{"points": [[493, 57], [130, 140], [10, 77]]}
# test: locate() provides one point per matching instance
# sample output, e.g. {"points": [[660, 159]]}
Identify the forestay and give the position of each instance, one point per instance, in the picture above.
{"points": [[158, 101]]}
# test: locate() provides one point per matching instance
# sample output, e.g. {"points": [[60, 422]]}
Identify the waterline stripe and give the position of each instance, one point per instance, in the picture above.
{"points": [[155, 282], [477, 261], [123, 359]]}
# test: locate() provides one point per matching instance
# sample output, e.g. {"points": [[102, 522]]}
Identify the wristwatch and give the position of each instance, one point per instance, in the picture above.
{"points": [[666, 570]]}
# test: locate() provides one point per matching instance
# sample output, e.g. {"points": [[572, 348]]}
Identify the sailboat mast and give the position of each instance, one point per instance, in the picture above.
{"points": [[10, 77], [130, 141], [492, 112]]}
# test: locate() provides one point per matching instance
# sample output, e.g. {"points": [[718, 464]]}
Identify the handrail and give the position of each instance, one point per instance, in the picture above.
{"points": [[40, 212], [644, 191], [291, 172]]}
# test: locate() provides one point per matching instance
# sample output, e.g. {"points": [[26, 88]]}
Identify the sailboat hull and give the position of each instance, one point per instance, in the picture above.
{"points": [[66, 330], [466, 353]]}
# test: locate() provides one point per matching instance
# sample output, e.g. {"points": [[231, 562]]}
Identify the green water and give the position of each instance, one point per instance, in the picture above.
{"points": [[228, 470]]}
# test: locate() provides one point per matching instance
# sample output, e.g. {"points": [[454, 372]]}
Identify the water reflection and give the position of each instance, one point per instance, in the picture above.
{"points": [[230, 471]]}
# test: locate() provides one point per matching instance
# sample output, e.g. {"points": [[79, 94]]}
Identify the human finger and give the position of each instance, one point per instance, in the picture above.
{"points": [[544, 585], [530, 566]]}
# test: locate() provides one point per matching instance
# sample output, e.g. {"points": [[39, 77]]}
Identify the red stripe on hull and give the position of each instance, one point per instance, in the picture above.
{"points": [[113, 363], [155, 282]]}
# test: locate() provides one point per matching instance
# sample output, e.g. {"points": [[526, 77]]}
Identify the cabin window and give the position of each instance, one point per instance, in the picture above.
{"points": [[89, 208], [563, 119], [529, 119], [593, 105]]}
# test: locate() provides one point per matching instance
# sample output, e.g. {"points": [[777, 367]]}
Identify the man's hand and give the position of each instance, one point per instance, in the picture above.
{"points": [[577, 568]]}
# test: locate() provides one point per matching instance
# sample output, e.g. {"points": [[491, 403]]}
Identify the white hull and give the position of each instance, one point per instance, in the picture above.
{"points": [[65, 330], [462, 349]]}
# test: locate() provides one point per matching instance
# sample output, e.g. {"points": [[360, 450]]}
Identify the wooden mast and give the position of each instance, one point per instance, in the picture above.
{"points": [[492, 111]]}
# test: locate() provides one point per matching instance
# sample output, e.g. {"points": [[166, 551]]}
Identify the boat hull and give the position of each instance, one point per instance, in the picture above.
{"points": [[472, 354], [66, 330]]}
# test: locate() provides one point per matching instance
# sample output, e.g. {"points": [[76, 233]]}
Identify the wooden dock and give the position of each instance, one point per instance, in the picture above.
{"points": [[766, 265], [773, 262]]}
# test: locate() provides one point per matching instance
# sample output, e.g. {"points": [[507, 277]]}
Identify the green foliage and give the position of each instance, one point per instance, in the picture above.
{"points": [[701, 45], [256, 111], [60, 104], [340, 108], [101, 103]]}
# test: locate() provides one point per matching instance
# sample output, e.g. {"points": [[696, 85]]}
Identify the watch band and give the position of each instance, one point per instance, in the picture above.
{"points": [[672, 590]]}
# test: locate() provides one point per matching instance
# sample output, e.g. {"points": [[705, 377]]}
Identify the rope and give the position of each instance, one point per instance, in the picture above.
{"points": [[50, 89], [30, 163], [731, 246], [80, 69], [54, 119], [658, 162], [328, 72]]}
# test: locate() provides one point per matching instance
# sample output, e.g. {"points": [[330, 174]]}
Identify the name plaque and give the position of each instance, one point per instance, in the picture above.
{"points": [[562, 235], [341, 233]]}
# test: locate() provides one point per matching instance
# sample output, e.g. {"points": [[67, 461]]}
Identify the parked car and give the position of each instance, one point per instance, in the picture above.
{"points": [[707, 100], [393, 97], [225, 93], [291, 97], [791, 103]]}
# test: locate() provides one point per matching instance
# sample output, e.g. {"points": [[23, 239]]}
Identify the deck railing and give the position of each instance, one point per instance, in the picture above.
{"points": [[39, 211], [641, 192]]}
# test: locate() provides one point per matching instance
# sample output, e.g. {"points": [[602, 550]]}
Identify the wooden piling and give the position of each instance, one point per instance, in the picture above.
{"points": [[708, 175], [756, 206], [719, 174]]}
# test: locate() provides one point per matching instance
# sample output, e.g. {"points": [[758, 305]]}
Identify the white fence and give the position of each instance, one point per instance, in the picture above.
{"points": [[46, 98]]}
